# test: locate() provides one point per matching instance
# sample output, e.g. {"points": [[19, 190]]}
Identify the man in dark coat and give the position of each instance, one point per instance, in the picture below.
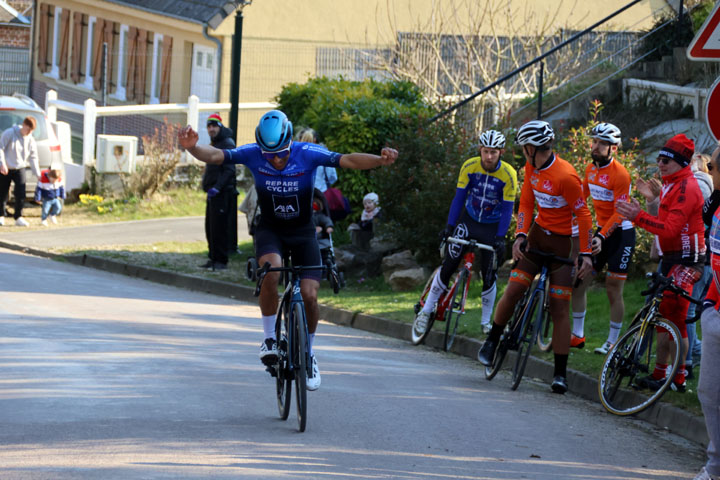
{"points": [[221, 210]]}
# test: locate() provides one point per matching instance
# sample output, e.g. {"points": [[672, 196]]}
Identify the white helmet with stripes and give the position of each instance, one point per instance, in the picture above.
{"points": [[492, 139], [535, 132], [606, 131]]}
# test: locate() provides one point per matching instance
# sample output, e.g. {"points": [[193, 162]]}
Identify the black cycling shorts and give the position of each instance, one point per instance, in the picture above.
{"points": [[617, 251], [468, 228], [300, 243]]}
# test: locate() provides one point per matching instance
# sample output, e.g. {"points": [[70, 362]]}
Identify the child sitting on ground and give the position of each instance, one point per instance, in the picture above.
{"points": [[50, 189]]}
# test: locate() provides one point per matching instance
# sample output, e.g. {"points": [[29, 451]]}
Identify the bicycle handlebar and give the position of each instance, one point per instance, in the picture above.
{"points": [[661, 283], [269, 268], [471, 243]]}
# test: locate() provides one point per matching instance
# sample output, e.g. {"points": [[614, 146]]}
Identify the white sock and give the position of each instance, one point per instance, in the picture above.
{"points": [[436, 290], [488, 303], [311, 339], [269, 326], [578, 325], [614, 332]]}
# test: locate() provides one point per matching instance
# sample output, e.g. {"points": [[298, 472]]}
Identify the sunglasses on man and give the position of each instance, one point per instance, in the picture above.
{"points": [[284, 153], [665, 160]]}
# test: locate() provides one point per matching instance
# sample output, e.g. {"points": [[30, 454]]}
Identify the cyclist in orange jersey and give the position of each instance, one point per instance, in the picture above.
{"points": [[606, 181], [556, 187]]}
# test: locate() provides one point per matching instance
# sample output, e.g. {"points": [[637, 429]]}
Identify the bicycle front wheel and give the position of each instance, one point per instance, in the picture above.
{"points": [[544, 338], [283, 378], [455, 310], [418, 333], [529, 327], [301, 362], [633, 355]]}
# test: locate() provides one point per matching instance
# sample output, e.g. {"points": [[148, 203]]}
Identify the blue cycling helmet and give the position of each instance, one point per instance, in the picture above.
{"points": [[274, 132]]}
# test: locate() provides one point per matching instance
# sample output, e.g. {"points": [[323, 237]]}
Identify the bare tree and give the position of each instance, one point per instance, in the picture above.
{"points": [[464, 45]]}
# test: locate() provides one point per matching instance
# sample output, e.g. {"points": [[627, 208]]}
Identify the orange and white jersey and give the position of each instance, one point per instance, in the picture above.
{"points": [[558, 191], [606, 185]]}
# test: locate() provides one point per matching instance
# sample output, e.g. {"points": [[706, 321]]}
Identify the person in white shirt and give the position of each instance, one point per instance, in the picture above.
{"points": [[18, 149]]}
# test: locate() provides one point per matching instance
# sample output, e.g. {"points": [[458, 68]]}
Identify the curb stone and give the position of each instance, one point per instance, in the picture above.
{"points": [[668, 417]]}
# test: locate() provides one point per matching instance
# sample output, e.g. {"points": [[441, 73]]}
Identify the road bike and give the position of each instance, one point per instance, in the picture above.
{"points": [[291, 332], [529, 317], [451, 305], [636, 351]]}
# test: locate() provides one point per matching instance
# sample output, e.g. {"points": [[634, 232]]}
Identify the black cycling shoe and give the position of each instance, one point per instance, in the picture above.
{"points": [[486, 354], [649, 382], [559, 384]]}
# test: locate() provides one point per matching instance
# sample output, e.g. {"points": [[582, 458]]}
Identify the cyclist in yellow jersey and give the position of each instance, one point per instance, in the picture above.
{"points": [[481, 210]]}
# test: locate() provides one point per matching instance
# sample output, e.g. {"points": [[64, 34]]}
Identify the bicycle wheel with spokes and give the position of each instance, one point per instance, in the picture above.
{"points": [[418, 333], [544, 338], [455, 310], [633, 355], [527, 336], [283, 379], [300, 359]]}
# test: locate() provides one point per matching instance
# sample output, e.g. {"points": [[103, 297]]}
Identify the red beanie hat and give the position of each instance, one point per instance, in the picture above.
{"points": [[679, 148], [215, 118]]}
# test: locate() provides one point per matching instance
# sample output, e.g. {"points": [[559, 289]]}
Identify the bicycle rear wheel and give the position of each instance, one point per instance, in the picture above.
{"points": [[301, 365], [283, 378], [455, 310], [419, 334], [529, 327], [632, 355]]}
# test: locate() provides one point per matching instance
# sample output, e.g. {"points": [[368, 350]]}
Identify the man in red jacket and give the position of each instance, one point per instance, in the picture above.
{"points": [[680, 231]]}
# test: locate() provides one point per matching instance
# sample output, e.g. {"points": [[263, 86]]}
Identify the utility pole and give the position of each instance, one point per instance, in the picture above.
{"points": [[235, 73]]}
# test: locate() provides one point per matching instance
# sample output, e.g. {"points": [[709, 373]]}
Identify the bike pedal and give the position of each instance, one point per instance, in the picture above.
{"points": [[271, 370]]}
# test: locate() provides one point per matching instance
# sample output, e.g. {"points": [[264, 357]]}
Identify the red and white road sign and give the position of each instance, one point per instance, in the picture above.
{"points": [[706, 44], [712, 110]]}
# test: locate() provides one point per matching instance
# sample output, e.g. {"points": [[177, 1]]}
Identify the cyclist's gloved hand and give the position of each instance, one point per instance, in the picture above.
{"points": [[499, 246], [597, 242], [446, 232], [212, 192]]}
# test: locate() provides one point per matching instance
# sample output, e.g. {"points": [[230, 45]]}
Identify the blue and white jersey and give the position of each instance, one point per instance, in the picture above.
{"points": [[285, 196]]}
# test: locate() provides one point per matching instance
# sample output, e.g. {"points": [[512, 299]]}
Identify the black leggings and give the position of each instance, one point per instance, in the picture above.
{"points": [[481, 232], [17, 177]]}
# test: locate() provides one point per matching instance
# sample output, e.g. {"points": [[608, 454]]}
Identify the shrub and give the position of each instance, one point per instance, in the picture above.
{"points": [[162, 156], [352, 116], [416, 191]]}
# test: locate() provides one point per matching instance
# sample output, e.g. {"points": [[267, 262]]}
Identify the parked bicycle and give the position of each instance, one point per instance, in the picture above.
{"points": [[451, 305], [528, 320], [636, 351], [293, 359]]}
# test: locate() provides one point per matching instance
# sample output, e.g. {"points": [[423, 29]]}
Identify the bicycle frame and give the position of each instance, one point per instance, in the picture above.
{"points": [[290, 298], [444, 301]]}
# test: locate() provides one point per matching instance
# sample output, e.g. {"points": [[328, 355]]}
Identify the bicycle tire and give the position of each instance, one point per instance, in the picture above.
{"points": [[455, 310], [527, 337], [544, 338], [632, 354], [506, 338], [283, 379], [301, 366], [417, 336]]}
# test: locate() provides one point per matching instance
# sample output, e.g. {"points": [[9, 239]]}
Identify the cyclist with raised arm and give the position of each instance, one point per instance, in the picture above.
{"points": [[284, 173], [606, 181], [680, 232], [555, 186], [481, 210]]}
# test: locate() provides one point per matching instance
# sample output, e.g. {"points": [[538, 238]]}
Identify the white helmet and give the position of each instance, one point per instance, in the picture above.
{"points": [[535, 132], [492, 139], [606, 131]]}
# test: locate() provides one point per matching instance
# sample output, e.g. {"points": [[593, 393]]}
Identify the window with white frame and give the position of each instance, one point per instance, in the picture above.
{"points": [[89, 54], [121, 79], [156, 77], [54, 67]]}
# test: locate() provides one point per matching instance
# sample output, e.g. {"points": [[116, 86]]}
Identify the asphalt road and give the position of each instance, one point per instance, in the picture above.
{"points": [[104, 376]]}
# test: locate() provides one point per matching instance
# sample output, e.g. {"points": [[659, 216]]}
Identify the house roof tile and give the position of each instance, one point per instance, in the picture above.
{"points": [[196, 11]]}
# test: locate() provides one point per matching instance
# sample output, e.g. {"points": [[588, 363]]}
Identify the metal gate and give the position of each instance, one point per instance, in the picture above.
{"points": [[14, 70]]}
